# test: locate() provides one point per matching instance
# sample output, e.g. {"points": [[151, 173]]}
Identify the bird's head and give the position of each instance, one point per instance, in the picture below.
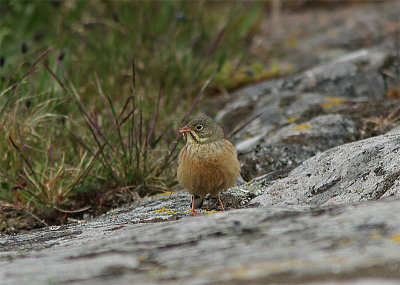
{"points": [[202, 129]]}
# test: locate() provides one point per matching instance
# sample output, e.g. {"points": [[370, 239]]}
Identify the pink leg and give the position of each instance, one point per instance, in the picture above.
{"points": [[194, 213], [220, 202]]}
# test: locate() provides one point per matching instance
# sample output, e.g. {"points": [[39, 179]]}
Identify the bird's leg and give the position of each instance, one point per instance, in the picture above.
{"points": [[220, 202], [198, 202], [194, 213]]}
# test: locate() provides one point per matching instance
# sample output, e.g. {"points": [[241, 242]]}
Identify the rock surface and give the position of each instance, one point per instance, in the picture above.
{"points": [[303, 115], [325, 210], [359, 171], [280, 245]]}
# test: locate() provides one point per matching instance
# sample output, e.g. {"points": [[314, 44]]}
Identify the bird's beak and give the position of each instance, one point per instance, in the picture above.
{"points": [[185, 129]]}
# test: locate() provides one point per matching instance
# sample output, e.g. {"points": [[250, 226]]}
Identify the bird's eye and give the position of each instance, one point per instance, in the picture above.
{"points": [[199, 127]]}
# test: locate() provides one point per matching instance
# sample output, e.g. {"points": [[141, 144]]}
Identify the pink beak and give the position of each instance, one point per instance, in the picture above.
{"points": [[185, 129]]}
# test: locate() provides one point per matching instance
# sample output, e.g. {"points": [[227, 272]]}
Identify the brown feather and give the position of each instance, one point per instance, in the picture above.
{"points": [[208, 168]]}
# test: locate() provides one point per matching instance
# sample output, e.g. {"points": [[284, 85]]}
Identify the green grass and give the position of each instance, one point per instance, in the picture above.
{"points": [[82, 128]]}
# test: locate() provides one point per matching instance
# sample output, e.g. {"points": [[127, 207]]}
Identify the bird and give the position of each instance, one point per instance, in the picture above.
{"points": [[207, 164]]}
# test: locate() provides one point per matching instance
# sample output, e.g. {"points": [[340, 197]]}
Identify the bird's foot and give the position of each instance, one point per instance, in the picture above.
{"points": [[194, 213]]}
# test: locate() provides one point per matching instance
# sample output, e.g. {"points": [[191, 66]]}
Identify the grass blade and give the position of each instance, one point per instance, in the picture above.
{"points": [[155, 118], [242, 126]]}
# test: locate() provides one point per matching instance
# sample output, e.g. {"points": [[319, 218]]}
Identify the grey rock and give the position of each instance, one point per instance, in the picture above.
{"points": [[359, 171], [292, 244], [356, 74], [332, 33], [279, 111], [284, 107], [332, 127], [294, 143]]}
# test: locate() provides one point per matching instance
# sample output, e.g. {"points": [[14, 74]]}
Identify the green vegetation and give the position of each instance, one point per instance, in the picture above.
{"points": [[92, 93]]}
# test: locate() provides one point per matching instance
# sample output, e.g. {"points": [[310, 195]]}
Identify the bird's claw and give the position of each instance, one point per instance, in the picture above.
{"points": [[194, 213]]}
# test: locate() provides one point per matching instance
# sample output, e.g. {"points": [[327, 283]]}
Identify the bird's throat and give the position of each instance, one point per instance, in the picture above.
{"points": [[193, 136], [204, 150]]}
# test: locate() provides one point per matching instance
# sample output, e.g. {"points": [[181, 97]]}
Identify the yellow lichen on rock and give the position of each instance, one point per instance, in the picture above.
{"points": [[163, 210], [291, 120], [302, 127], [332, 102], [375, 235], [210, 212], [395, 238]]}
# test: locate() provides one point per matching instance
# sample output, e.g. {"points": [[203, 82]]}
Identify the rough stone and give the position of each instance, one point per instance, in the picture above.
{"points": [[299, 116], [358, 171], [279, 245], [291, 145]]}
